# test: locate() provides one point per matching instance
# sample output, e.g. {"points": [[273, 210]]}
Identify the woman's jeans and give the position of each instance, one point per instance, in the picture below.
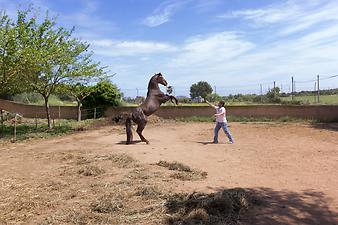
{"points": [[225, 129]]}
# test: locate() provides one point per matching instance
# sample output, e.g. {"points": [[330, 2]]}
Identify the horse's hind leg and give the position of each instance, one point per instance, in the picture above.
{"points": [[129, 131], [139, 130]]}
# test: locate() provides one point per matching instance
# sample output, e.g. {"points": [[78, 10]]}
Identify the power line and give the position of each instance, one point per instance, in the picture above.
{"points": [[250, 86]]}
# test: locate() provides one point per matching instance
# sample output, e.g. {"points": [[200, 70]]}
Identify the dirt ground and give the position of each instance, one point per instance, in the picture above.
{"points": [[293, 167]]}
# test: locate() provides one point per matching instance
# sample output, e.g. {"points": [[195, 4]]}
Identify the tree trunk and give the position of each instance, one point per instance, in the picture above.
{"points": [[78, 110], [1, 117], [47, 112], [1, 123]]}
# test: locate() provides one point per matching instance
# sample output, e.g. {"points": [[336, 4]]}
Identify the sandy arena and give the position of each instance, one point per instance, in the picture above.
{"points": [[293, 165]]}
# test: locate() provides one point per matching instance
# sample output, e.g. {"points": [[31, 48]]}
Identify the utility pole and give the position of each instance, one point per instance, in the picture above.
{"points": [[292, 88], [318, 88], [136, 92], [274, 89], [215, 90], [314, 93], [261, 91]]}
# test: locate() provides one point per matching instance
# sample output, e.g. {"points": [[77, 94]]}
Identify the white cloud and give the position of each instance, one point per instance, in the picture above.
{"points": [[163, 13], [290, 16], [205, 6], [115, 48], [215, 48], [227, 60], [267, 15], [88, 23]]}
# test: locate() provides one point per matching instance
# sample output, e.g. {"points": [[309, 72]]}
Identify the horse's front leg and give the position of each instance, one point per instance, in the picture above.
{"points": [[173, 98], [166, 97]]}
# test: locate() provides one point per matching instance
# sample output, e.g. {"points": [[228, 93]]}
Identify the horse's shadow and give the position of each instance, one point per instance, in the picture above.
{"points": [[210, 143], [125, 142], [206, 142]]}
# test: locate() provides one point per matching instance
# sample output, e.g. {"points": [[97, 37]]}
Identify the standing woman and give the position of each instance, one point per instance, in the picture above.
{"points": [[221, 121]]}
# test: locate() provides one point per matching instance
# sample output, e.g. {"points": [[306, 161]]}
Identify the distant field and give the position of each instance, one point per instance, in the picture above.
{"points": [[323, 99], [55, 102], [36, 99]]}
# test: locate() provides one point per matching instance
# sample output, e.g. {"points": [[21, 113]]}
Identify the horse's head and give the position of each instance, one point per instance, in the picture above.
{"points": [[160, 79]]}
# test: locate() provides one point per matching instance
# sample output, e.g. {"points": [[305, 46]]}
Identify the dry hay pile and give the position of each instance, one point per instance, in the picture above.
{"points": [[111, 189], [120, 160], [91, 170], [153, 119], [184, 172], [223, 207], [114, 189]]}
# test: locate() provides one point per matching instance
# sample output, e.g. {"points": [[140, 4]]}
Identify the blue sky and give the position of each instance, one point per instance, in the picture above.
{"points": [[234, 45]]}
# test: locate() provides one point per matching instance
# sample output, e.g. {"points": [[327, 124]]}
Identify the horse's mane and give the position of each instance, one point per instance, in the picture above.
{"points": [[151, 81]]}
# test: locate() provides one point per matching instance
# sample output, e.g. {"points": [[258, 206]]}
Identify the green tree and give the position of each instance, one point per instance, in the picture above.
{"points": [[213, 97], [273, 95], [201, 88], [83, 72], [79, 91], [104, 94], [52, 55], [11, 59]]}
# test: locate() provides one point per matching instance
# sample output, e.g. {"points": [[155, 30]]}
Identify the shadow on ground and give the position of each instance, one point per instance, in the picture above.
{"points": [[212, 143], [125, 142], [206, 142], [326, 126], [262, 206], [286, 207]]}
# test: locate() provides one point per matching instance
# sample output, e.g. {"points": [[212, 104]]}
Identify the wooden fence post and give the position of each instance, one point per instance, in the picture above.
{"points": [[14, 139], [1, 122], [36, 122], [1, 117], [94, 113]]}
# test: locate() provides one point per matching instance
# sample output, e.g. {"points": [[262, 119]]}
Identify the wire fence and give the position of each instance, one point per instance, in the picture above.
{"points": [[12, 123], [289, 86]]}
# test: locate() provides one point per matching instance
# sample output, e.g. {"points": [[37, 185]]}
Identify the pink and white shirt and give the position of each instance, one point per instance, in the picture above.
{"points": [[221, 118]]}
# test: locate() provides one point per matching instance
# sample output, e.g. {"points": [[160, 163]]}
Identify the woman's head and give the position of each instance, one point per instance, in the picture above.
{"points": [[221, 103]]}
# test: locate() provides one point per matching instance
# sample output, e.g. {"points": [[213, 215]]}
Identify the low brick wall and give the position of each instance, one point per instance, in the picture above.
{"points": [[32, 111], [325, 113]]}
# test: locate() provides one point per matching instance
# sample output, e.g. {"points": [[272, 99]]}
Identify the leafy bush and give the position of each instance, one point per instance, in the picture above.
{"points": [[27, 98], [105, 94], [213, 97], [200, 89]]}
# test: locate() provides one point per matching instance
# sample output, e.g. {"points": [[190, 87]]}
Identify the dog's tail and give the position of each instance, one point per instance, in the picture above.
{"points": [[128, 130]]}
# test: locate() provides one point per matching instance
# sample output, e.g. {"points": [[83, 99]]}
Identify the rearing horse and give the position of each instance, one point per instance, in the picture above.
{"points": [[155, 97]]}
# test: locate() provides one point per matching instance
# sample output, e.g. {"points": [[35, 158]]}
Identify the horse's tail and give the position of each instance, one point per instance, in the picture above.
{"points": [[128, 130]]}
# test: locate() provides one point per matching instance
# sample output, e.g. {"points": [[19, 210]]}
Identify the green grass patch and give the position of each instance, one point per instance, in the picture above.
{"points": [[284, 119], [30, 130], [37, 99], [311, 99], [243, 119], [196, 119]]}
